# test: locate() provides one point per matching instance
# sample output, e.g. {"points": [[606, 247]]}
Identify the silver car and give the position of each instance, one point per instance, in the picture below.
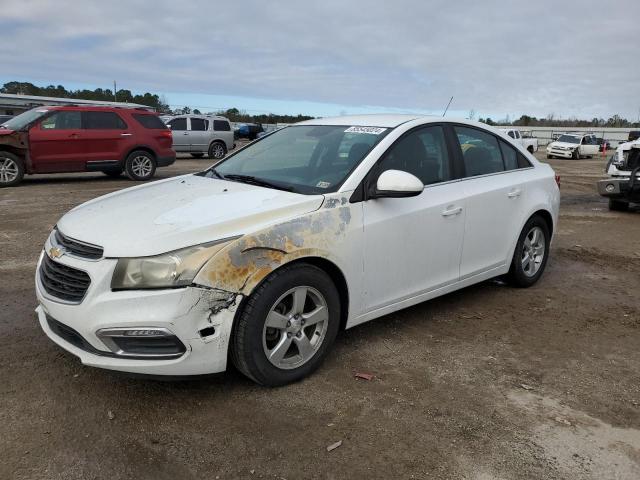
{"points": [[202, 134]]}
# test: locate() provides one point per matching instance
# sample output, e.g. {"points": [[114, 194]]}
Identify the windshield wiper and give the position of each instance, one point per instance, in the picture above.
{"points": [[219, 175], [250, 179]]}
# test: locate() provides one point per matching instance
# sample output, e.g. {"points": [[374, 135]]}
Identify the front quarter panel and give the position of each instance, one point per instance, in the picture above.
{"points": [[333, 233]]}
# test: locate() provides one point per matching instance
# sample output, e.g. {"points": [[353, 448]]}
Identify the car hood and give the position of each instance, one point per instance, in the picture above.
{"points": [[179, 212], [564, 144], [628, 145]]}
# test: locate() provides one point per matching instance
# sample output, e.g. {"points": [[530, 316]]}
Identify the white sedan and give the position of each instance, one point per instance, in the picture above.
{"points": [[317, 227]]}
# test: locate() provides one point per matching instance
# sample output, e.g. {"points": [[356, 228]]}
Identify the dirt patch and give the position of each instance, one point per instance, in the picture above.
{"points": [[446, 400]]}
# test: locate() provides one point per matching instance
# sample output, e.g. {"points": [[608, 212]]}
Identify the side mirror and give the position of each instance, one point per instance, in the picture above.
{"points": [[398, 184]]}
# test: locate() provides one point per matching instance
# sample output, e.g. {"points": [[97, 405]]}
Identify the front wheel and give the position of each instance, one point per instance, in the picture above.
{"points": [[11, 169], [576, 154], [287, 326], [140, 165], [532, 251]]}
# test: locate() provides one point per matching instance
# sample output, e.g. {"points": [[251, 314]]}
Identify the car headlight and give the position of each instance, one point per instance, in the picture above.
{"points": [[620, 160], [168, 270]]}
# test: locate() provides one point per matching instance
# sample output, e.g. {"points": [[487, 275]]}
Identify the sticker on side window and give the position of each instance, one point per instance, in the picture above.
{"points": [[323, 184], [371, 130]]}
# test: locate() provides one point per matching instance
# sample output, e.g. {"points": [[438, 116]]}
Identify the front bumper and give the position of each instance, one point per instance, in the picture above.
{"points": [[618, 188], [560, 153], [200, 318]]}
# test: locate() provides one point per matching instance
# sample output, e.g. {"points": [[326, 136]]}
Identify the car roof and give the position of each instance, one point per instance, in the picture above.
{"points": [[370, 120], [106, 108]]}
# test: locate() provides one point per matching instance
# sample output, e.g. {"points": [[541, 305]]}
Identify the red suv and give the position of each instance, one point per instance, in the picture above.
{"points": [[84, 138]]}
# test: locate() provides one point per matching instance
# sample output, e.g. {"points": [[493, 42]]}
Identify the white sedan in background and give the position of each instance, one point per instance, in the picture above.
{"points": [[317, 227]]}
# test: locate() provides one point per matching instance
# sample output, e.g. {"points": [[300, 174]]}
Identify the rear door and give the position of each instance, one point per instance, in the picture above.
{"points": [[103, 135], [199, 134], [54, 143], [589, 145], [222, 129], [494, 190], [180, 131]]}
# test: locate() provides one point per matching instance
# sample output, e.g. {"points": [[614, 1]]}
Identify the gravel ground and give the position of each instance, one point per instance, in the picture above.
{"points": [[486, 383]]}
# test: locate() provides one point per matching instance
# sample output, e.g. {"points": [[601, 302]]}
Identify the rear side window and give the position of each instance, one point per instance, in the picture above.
{"points": [[221, 126], [63, 120], [199, 124], [149, 121], [422, 153], [509, 155], [480, 151], [103, 121], [178, 124]]}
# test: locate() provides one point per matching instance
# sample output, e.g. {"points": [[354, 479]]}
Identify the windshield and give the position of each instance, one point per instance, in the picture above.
{"points": [[568, 139], [307, 159], [20, 121]]}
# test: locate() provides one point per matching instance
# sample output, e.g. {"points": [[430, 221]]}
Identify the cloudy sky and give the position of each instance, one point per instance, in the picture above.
{"points": [[567, 58]]}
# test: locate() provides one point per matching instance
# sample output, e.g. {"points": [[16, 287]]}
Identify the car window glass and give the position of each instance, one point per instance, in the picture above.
{"points": [[509, 155], [480, 151], [198, 124], [103, 121], [178, 124], [149, 121], [511, 134], [62, 120], [422, 153], [221, 125]]}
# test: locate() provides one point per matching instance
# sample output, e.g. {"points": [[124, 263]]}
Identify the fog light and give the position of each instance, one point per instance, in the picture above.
{"points": [[610, 188], [151, 343]]}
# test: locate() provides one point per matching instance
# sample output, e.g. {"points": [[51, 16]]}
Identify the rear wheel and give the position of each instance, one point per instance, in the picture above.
{"points": [[618, 205], [11, 169], [197, 155], [140, 165], [217, 150], [286, 326], [532, 250]]}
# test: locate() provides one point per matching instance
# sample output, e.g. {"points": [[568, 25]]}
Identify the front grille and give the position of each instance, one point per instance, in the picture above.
{"points": [[62, 281], [77, 248]]}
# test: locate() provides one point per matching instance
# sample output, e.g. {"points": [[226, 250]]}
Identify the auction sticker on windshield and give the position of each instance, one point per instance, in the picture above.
{"points": [[371, 130]]}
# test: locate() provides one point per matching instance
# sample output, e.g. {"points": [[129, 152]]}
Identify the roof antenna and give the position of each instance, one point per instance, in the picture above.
{"points": [[445, 110]]}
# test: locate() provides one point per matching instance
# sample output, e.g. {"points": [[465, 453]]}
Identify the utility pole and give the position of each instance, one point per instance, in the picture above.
{"points": [[445, 110], [115, 95]]}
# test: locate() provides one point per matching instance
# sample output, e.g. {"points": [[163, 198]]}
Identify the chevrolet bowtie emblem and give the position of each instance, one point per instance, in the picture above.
{"points": [[55, 252]]}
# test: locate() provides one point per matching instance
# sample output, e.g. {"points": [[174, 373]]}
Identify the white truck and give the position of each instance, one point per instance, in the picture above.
{"points": [[526, 140], [623, 183], [574, 145]]}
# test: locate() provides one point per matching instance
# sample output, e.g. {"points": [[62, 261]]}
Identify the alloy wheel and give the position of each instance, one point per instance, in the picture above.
{"points": [[217, 151], [8, 170], [295, 327], [142, 166], [533, 251]]}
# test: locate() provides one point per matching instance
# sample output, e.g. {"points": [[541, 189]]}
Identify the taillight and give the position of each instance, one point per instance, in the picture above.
{"points": [[558, 180], [166, 133]]}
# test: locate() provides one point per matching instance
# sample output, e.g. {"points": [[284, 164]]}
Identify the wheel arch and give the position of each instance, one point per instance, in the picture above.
{"points": [[144, 148]]}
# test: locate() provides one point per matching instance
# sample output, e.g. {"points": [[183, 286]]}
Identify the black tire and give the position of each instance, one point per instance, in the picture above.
{"points": [[133, 164], [11, 169], [517, 275], [113, 173], [576, 154], [549, 156], [217, 150], [247, 348], [618, 205], [197, 155]]}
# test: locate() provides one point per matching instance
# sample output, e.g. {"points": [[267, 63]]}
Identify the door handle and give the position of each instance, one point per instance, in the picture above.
{"points": [[186, 133], [516, 192], [74, 135], [126, 134], [451, 211]]}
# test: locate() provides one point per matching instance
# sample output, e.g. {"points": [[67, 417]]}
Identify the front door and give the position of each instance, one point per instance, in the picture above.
{"points": [[181, 141], [54, 143], [413, 245]]}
